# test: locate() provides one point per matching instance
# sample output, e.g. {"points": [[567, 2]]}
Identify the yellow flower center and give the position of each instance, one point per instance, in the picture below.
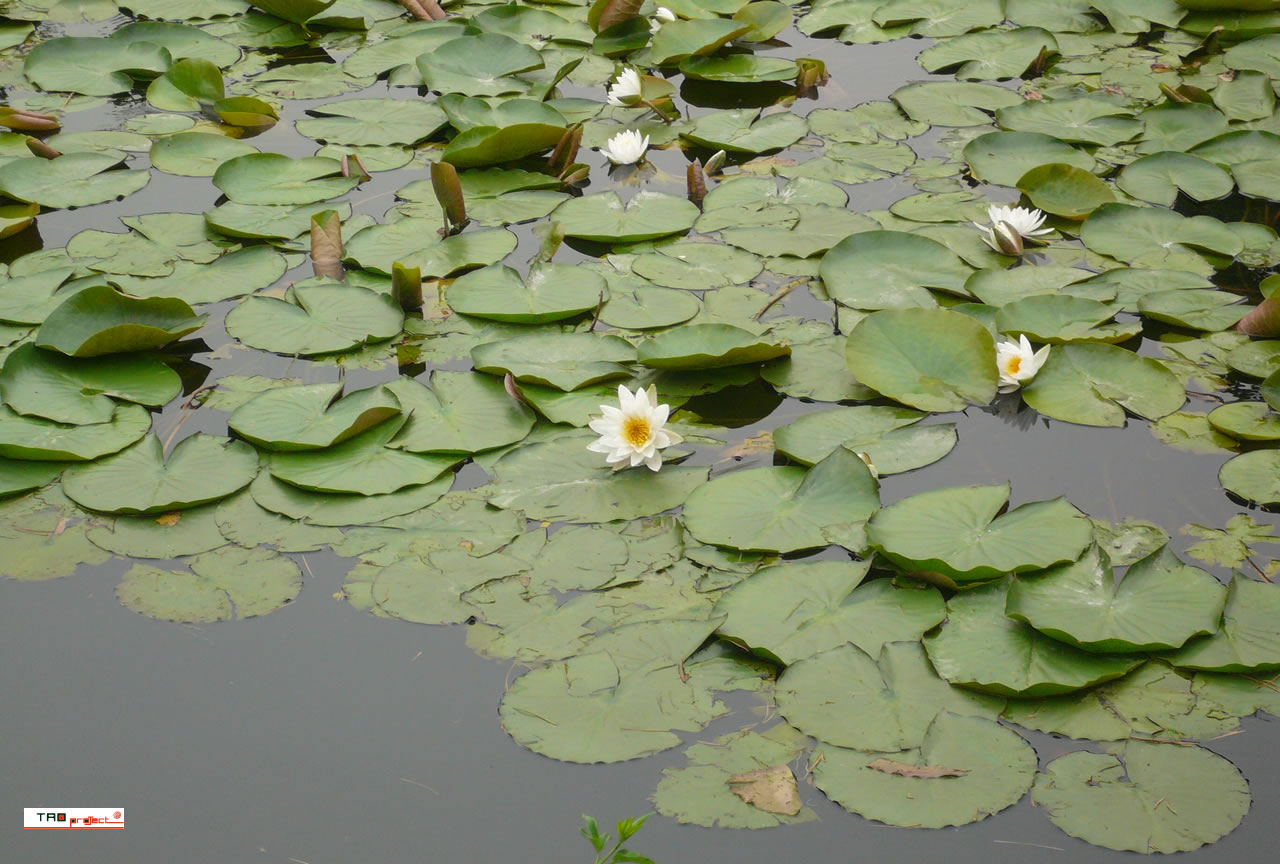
{"points": [[1014, 364], [636, 431]]}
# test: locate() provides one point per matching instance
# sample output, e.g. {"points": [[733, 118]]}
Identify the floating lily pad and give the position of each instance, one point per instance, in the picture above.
{"points": [[415, 243], [225, 584], [1059, 319], [1194, 308], [44, 536], [317, 508], [603, 217], [561, 360], [743, 130], [1111, 800], [551, 292], [931, 359], [980, 648], [962, 534], [43, 440], [319, 319], [71, 180], [1247, 641], [1159, 604], [563, 481], [1094, 384], [459, 413], [142, 479], [1004, 157], [480, 65], [23, 476], [891, 269], [782, 509], [381, 122], [707, 346], [964, 770], [1065, 190], [886, 434], [186, 532], [271, 178], [196, 154], [244, 271], [362, 464], [1127, 232], [833, 607], [100, 320], [311, 416], [678, 39], [46, 384], [1243, 421], [1159, 178]]}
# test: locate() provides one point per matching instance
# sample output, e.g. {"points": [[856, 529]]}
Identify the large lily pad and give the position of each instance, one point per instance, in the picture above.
{"points": [[142, 479], [962, 534], [743, 130], [1247, 640], [71, 180], [886, 434], [551, 292], [1146, 798], [1094, 384], [459, 413], [310, 416], [782, 509], [707, 346], [603, 217], [1127, 232], [480, 65], [891, 269], [100, 320], [317, 319], [46, 384], [1159, 604], [271, 178], [832, 606], [979, 647], [965, 769], [564, 361], [931, 359], [224, 584], [35, 438]]}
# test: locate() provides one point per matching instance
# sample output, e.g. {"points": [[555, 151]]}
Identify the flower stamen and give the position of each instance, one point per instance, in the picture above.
{"points": [[636, 431]]}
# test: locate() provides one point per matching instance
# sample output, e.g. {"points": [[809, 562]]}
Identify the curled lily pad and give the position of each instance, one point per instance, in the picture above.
{"points": [[979, 647], [1111, 800], [23, 476], [782, 509], [318, 508], [311, 416], [707, 346], [565, 361], [100, 320], [35, 438], [1159, 604], [1247, 640], [64, 389], [834, 606], [962, 533], [1065, 190], [141, 479], [361, 465]]}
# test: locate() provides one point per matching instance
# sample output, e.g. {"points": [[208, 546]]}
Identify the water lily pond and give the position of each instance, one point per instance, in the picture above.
{"points": [[422, 424]]}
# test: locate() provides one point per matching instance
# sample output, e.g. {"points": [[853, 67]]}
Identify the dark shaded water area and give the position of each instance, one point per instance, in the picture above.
{"points": [[322, 734]]}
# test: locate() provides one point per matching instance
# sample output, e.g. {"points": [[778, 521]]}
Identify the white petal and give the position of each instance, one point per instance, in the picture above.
{"points": [[654, 462]]}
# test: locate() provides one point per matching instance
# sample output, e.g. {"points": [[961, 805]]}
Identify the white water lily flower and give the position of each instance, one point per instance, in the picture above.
{"points": [[633, 431], [662, 16], [1017, 364], [625, 90], [1010, 226], [626, 147]]}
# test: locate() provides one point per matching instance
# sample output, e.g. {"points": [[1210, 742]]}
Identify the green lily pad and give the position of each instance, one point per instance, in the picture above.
{"points": [[706, 346], [1060, 319], [562, 481], [1111, 800], [1089, 120], [266, 221], [552, 292], [1247, 640], [891, 269], [819, 228], [380, 122], [361, 465], [1065, 190], [1159, 178], [459, 413], [743, 130], [1243, 421], [37, 439], [782, 509], [186, 532], [991, 54], [480, 65], [317, 508], [1195, 309], [23, 476], [980, 648], [1095, 384], [1159, 604], [678, 39], [44, 536], [69, 390], [603, 217], [565, 361], [196, 154], [244, 271], [705, 792], [1005, 157], [834, 606], [94, 66], [71, 180], [1127, 232], [960, 533], [489, 135], [931, 359], [415, 243], [318, 319], [141, 479], [953, 103], [697, 266], [964, 770], [739, 68], [224, 585], [311, 416], [100, 320], [271, 178]]}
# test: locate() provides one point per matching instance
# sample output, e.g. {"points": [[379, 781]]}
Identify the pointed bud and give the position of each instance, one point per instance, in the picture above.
{"points": [[1008, 240]]}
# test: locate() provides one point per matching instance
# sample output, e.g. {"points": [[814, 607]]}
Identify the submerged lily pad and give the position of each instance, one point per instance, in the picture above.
{"points": [[225, 584]]}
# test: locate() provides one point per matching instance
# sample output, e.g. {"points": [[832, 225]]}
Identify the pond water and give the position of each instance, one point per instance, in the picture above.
{"points": [[321, 733]]}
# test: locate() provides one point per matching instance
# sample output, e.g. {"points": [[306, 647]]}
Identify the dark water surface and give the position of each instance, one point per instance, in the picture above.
{"points": [[324, 735]]}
